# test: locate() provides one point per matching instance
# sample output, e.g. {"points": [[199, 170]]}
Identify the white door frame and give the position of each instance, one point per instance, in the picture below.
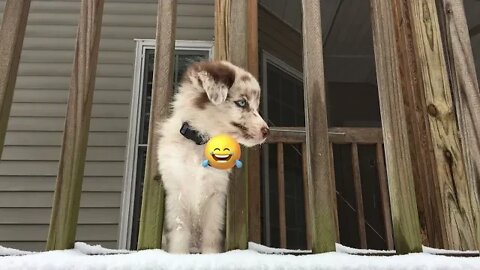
{"points": [[128, 191]]}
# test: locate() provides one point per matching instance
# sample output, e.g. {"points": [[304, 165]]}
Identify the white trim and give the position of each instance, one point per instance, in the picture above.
{"points": [[128, 191], [268, 58]]}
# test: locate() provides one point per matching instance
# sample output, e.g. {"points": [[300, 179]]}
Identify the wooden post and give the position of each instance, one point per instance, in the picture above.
{"points": [[66, 205], [320, 180], [465, 87], [406, 225], [12, 32], [254, 162], [459, 206], [152, 213], [231, 45], [421, 148]]}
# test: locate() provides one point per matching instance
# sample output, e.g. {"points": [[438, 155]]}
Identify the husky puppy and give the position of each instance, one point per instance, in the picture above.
{"points": [[214, 97]]}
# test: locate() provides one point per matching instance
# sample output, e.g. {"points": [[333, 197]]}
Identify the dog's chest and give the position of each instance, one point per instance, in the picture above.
{"points": [[194, 183]]}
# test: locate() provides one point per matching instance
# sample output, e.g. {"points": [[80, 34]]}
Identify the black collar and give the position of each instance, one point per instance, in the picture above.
{"points": [[194, 135]]}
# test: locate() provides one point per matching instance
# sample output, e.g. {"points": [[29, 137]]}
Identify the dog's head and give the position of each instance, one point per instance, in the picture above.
{"points": [[223, 98]]}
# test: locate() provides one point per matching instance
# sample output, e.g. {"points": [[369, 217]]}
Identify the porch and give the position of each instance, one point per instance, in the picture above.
{"points": [[408, 167]]}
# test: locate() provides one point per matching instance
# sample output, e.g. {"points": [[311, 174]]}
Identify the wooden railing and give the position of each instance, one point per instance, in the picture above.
{"points": [[352, 136], [397, 39]]}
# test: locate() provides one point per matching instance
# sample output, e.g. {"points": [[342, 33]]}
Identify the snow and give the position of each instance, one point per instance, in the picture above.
{"points": [[445, 251], [78, 258], [269, 250], [344, 249], [12, 252]]}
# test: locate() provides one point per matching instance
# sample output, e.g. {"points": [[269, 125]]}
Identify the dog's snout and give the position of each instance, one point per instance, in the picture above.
{"points": [[265, 131]]}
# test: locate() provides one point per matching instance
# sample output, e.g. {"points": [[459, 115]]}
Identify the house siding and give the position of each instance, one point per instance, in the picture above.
{"points": [[33, 140], [279, 39]]}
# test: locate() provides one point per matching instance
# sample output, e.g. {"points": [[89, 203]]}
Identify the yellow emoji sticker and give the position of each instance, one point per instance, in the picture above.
{"points": [[222, 152]]}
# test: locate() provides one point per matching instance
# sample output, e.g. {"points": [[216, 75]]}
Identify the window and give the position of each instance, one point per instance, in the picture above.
{"points": [[282, 105], [186, 52]]}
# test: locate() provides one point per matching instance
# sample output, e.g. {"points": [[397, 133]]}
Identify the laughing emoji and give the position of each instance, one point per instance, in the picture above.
{"points": [[222, 152]]}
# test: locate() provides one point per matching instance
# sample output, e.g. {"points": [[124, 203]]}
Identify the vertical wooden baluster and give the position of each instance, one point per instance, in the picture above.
{"points": [[254, 161], [66, 203], [394, 122], [231, 42], [357, 181], [385, 201], [316, 127], [152, 213], [281, 195], [332, 169], [308, 224], [12, 32]]}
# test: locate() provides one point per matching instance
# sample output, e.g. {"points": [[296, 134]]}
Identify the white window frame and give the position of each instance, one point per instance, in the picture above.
{"points": [[268, 58], [128, 191]]}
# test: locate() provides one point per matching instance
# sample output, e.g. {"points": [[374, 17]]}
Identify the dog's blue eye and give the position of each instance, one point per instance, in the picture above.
{"points": [[241, 103]]}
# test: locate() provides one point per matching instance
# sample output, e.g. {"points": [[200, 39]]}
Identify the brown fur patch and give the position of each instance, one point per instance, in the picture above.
{"points": [[220, 73], [242, 129], [245, 78], [201, 101]]}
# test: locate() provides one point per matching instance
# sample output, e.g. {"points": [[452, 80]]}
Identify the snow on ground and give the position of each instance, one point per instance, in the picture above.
{"points": [[77, 258]]}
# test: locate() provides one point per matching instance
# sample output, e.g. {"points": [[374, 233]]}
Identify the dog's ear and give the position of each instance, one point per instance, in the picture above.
{"points": [[216, 79]]}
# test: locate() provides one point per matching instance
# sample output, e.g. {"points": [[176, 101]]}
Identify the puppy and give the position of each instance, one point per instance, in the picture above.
{"points": [[214, 98]]}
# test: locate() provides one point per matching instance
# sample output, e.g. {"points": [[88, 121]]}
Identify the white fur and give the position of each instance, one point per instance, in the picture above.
{"points": [[195, 196]]}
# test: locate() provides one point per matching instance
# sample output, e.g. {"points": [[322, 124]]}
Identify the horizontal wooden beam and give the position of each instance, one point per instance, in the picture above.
{"points": [[336, 135]]}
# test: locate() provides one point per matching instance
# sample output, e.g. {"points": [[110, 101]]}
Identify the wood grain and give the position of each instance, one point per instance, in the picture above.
{"points": [[464, 83], [320, 180], [405, 220], [421, 148], [461, 213], [306, 200], [152, 213], [12, 33], [232, 44], [282, 218], [384, 198], [357, 184], [66, 204], [254, 161]]}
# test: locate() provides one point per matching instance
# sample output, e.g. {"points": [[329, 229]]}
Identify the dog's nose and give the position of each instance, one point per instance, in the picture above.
{"points": [[265, 131]]}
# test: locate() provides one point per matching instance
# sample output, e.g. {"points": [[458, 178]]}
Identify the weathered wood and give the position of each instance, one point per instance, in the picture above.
{"points": [[338, 135], [66, 204], [357, 183], [320, 180], [12, 33], [461, 210], [282, 218], [254, 161], [332, 171], [464, 83], [308, 225], [421, 148], [222, 21], [384, 199], [405, 220], [152, 213], [231, 44]]}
